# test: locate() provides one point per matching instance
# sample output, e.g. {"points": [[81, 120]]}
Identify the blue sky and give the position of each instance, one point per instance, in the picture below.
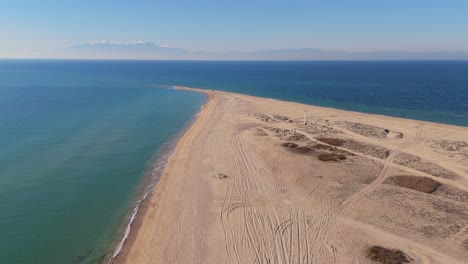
{"points": [[221, 25]]}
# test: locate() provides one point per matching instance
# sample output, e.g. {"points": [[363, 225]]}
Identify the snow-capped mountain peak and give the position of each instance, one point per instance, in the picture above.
{"points": [[129, 43], [97, 42], [140, 42]]}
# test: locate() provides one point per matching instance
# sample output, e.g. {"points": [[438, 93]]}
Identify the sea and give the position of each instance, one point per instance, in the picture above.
{"points": [[82, 142]]}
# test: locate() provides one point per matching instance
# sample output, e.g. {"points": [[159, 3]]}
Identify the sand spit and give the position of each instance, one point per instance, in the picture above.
{"points": [[249, 182]]}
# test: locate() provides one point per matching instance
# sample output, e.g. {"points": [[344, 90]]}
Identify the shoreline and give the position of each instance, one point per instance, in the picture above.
{"points": [[146, 190], [322, 108], [151, 207], [121, 256]]}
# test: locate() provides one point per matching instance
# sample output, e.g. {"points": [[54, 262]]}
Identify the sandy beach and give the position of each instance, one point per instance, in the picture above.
{"points": [[250, 182]]}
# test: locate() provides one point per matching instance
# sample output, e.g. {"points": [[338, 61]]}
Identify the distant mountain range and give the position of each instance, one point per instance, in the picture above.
{"points": [[147, 50]]}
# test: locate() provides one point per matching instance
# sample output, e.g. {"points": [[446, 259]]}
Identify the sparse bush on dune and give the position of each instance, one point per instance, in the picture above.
{"points": [[293, 147], [331, 157], [332, 141], [297, 137], [387, 256], [302, 150], [421, 184]]}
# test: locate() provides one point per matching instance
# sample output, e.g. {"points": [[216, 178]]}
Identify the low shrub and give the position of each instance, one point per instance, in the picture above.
{"points": [[417, 183], [387, 256], [332, 141], [323, 146], [289, 145], [302, 150], [331, 157]]}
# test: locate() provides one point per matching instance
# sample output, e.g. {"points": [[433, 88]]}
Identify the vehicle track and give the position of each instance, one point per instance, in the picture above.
{"points": [[295, 237], [326, 224]]}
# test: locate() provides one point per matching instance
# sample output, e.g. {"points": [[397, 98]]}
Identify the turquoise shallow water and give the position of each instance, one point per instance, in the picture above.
{"points": [[77, 137], [73, 152]]}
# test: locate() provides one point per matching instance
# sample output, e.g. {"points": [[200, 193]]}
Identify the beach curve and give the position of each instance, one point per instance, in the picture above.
{"points": [[232, 193]]}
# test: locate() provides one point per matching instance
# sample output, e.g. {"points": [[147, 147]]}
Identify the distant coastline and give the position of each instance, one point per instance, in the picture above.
{"points": [[145, 50]]}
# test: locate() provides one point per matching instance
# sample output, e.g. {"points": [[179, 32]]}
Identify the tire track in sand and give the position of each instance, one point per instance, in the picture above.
{"points": [[326, 224]]}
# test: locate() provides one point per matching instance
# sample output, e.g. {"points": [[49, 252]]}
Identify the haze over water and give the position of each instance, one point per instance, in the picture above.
{"points": [[76, 137]]}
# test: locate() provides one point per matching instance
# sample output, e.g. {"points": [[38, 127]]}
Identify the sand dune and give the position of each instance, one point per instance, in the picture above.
{"points": [[251, 183]]}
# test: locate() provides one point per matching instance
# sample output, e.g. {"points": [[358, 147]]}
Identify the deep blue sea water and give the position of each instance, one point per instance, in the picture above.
{"points": [[77, 137]]}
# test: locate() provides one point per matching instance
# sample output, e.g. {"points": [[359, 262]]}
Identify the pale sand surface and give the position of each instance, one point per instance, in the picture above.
{"points": [[233, 194]]}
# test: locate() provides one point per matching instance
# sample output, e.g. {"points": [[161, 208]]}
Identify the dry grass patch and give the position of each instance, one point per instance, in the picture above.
{"points": [[323, 147], [417, 183], [366, 149], [297, 137], [387, 256], [415, 162], [280, 117], [293, 147], [364, 129], [331, 157], [332, 141], [260, 132]]}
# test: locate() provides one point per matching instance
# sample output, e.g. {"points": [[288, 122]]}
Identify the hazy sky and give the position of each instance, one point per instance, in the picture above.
{"points": [[220, 25]]}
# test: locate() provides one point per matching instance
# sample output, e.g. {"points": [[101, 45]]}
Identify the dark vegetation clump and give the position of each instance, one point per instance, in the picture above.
{"points": [[421, 184], [387, 256], [323, 146], [289, 145], [293, 147], [387, 153], [302, 150], [332, 141], [331, 157]]}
